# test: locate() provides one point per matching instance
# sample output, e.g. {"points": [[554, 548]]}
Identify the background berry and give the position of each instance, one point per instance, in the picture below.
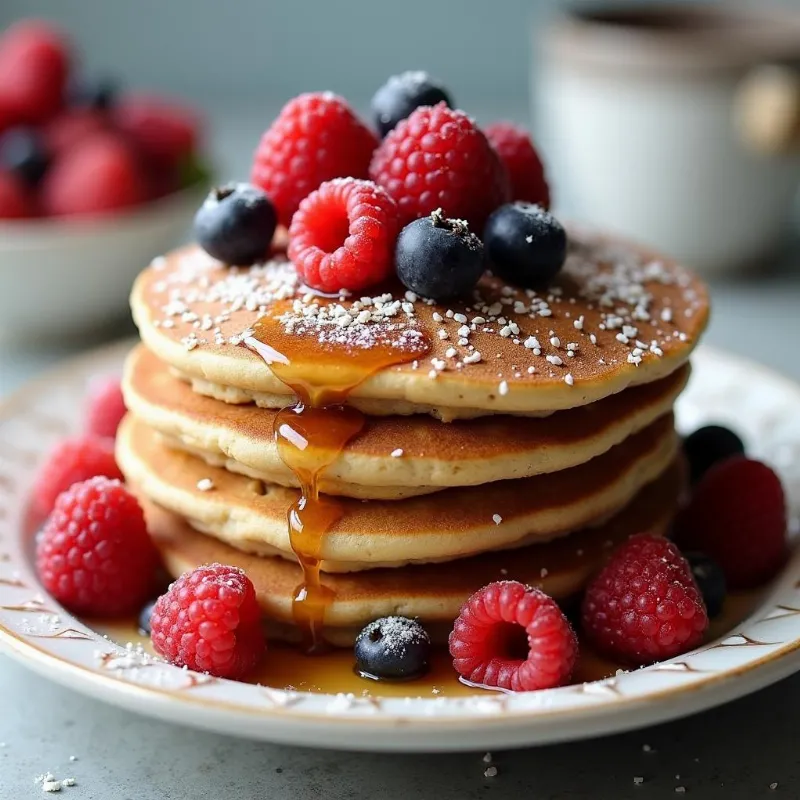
{"points": [[99, 175], [34, 63], [97, 94], [163, 130], [68, 129], [24, 153], [16, 199]]}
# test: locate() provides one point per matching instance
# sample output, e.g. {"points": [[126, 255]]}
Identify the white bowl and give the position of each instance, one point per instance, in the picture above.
{"points": [[63, 277]]}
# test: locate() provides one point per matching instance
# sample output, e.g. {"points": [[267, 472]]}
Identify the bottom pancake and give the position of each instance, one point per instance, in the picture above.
{"points": [[432, 592]]}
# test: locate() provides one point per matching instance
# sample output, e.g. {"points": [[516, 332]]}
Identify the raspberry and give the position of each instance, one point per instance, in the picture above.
{"points": [[343, 235], [525, 170], [71, 461], [494, 621], [16, 201], [66, 131], [100, 175], [105, 407], [316, 137], [645, 605], [439, 158], [164, 131], [94, 554], [737, 516], [209, 621], [33, 71]]}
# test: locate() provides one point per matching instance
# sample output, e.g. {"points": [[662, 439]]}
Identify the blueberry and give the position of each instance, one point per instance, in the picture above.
{"points": [[144, 618], [97, 94], [525, 244], [23, 152], [235, 224], [711, 581], [393, 647], [708, 446], [438, 257], [401, 94]]}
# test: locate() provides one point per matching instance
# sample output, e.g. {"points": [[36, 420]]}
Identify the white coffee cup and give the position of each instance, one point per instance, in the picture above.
{"points": [[676, 125]]}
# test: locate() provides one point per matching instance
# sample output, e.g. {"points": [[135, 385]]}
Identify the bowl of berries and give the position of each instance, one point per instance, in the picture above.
{"points": [[94, 182]]}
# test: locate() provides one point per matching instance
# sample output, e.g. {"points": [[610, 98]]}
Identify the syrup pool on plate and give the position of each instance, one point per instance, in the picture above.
{"points": [[286, 666]]}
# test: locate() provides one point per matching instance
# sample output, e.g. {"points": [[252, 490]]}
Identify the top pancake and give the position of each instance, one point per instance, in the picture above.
{"points": [[632, 316]]}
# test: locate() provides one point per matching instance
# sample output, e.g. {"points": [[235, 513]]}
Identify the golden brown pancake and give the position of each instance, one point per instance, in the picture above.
{"points": [[617, 316], [433, 592], [394, 457], [453, 523]]}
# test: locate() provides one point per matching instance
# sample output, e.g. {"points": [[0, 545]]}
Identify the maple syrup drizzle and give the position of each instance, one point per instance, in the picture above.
{"points": [[312, 433]]}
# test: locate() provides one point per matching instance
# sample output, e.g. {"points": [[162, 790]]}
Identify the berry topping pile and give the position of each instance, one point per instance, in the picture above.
{"points": [[394, 648], [511, 637], [94, 554], [343, 235], [209, 621], [73, 145], [427, 161], [645, 605]]}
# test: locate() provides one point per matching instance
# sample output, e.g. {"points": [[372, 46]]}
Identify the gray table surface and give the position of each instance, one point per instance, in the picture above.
{"points": [[736, 751]]}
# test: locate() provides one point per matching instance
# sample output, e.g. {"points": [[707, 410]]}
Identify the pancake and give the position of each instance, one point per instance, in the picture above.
{"points": [[433, 592], [430, 455], [633, 316], [450, 524]]}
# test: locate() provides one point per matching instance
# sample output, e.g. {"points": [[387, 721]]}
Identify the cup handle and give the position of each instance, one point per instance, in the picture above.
{"points": [[767, 109]]}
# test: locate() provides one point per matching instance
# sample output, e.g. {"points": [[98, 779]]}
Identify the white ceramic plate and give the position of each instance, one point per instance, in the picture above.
{"points": [[766, 647]]}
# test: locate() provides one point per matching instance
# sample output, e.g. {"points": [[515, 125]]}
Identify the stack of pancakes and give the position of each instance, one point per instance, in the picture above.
{"points": [[534, 434]]}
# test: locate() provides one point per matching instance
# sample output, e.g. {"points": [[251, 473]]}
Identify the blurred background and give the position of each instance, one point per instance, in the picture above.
{"points": [[676, 129]]}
